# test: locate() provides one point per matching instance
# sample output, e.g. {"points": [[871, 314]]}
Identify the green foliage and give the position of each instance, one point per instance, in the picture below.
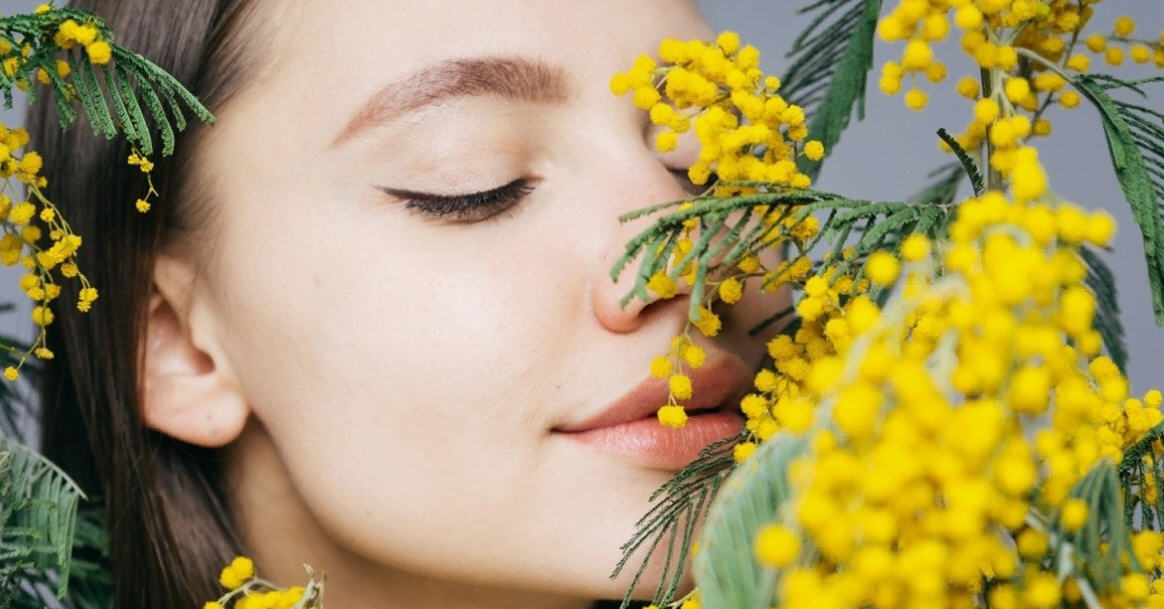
{"points": [[1106, 524], [685, 497], [12, 405], [46, 548], [135, 85], [829, 68], [657, 241], [38, 511], [728, 575], [1135, 472], [1101, 281], [976, 180], [90, 580], [1135, 140]]}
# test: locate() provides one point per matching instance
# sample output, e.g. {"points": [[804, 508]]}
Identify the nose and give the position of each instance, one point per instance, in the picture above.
{"points": [[651, 183]]}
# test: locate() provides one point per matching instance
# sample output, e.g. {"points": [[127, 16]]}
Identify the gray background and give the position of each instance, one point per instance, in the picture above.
{"points": [[887, 155]]}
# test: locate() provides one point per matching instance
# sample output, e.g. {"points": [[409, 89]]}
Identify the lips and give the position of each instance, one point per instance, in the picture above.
{"points": [[719, 384]]}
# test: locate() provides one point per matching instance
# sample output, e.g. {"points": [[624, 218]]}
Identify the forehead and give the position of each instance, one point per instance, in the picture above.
{"points": [[331, 56]]}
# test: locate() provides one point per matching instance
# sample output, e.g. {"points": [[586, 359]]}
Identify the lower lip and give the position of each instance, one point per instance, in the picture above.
{"points": [[650, 444]]}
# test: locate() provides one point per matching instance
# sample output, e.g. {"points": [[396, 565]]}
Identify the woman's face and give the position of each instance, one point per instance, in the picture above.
{"points": [[406, 372]]}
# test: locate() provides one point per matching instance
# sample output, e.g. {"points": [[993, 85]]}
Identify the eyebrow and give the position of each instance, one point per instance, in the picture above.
{"points": [[514, 78]]}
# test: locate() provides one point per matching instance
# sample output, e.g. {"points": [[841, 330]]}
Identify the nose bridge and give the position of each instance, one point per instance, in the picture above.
{"points": [[634, 183]]}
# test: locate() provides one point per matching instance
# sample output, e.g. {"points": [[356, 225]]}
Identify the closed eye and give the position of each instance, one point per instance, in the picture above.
{"points": [[465, 208]]}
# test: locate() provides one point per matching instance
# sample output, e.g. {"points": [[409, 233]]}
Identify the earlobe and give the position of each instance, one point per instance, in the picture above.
{"points": [[186, 393]]}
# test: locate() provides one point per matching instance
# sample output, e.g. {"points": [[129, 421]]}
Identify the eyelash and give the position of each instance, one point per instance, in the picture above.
{"points": [[475, 206], [467, 208]]}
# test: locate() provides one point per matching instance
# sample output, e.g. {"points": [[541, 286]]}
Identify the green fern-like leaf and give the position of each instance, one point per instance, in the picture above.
{"points": [[713, 250], [1137, 471], [726, 572], [38, 513], [90, 578], [684, 499], [976, 180], [133, 83], [1135, 140], [1105, 541], [831, 60], [1101, 281]]}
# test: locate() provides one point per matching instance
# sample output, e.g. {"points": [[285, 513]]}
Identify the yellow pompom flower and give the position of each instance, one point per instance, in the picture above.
{"points": [[672, 416], [680, 386], [731, 290], [917, 55], [1079, 62], [662, 285], [1114, 56], [882, 268], [10, 373], [1096, 43], [240, 569], [709, 323], [814, 150], [728, 42], [915, 99], [1017, 89], [968, 87], [694, 355], [99, 52], [42, 316], [1073, 515], [665, 141], [743, 450], [776, 546], [915, 247], [1124, 26], [986, 110], [661, 367], [968, 17], [620, 83]]}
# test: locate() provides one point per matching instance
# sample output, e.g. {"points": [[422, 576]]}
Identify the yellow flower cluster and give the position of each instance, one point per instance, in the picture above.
{"points": [[719, 91], [830, 316], [247, 591], [746, 132], [730, 290], [70, 33], [23, 240], [996, 34], [1141, 50], [140, 161], [931, 472]]}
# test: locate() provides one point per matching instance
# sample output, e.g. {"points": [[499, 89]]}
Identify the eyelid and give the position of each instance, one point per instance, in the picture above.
{"points": [[466, 207]]}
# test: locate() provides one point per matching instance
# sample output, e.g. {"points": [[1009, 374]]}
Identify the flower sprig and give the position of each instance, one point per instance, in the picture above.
{"points": [[245, 590], [747, 132], [964, 438], [24, 241], [44, 45]]}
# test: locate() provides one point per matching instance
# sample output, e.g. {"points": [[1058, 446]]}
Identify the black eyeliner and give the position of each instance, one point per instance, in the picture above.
{"points": [[464, 207]]}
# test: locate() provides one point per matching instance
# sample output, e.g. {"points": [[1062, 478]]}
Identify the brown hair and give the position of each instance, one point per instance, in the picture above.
{"points": [[170, 529], [168, 518]]}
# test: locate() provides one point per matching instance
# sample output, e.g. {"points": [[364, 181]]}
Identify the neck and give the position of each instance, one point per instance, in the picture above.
{"points": [[281, 534]]}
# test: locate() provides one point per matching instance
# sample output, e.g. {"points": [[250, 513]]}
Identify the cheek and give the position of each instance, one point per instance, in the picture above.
{"points": [[407, 359]]}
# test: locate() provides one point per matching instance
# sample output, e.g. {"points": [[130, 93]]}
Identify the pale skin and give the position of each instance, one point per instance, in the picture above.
{"points": [[386, 383]]}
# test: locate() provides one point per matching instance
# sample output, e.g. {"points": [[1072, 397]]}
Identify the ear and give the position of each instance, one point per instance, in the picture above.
{"points": [[188, 389]]}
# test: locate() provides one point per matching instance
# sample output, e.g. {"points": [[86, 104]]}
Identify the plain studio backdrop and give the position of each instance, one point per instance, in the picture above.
{"points": [[886, 156]]}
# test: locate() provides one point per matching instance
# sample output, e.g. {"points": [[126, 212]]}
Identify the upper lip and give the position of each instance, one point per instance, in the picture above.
{"points": [[722, 380]]}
